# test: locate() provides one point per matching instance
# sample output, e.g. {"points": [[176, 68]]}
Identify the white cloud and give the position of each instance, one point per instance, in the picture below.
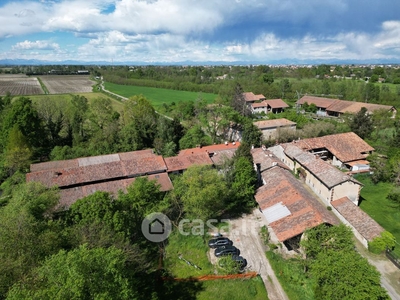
{"points": [[174, 30], [36, 45]]}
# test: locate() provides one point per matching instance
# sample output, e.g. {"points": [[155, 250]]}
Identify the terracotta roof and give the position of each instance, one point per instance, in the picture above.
{"points": [[274, 123], [329, 175], [210, 149], [345, 146], [71, 195], [360, 220], [342, 106], [92, 160], [266, 159], [353, 107], [305, 211], [182, 162], [250, 97], [318, 101], [96, 168], [358, 162], [59, 164], [259, 104], [218, 157], [276, 103]]}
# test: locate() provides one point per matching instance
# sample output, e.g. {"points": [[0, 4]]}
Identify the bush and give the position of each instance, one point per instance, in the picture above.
{"points": [[379, 244]]}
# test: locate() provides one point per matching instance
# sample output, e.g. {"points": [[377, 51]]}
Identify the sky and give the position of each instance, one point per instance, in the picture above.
{"points": [[221, 31]]}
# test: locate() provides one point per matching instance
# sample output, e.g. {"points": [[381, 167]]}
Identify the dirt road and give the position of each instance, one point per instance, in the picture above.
{"points": [[244, 232]]}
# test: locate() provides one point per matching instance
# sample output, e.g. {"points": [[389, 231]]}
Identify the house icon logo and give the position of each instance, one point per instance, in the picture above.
{"points": [[156, 227]]}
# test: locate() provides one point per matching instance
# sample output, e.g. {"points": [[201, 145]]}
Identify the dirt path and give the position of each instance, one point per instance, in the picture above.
{"points": [[244, 232]]}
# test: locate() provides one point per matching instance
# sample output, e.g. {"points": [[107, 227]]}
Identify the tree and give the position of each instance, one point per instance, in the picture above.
{"points": [[140, 120], [202, 191], [194, 136], [238, 101], [346, 275], [362, 124], [251, 134], [53, 113], [268, 78], [18, 151], [81, 273], [339, 271], [244, 184], [27, 233], [80, 109], [22, 114], [285, 87]]}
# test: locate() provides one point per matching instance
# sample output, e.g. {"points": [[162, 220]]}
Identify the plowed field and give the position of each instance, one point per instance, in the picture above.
{"points": [[19, 85], [65, 84]]}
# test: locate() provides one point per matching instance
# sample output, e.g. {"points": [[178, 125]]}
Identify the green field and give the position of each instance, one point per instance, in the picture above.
{"points": [[192, 248], [158, 96], [378, 207], [237, 289], [117, 105]]}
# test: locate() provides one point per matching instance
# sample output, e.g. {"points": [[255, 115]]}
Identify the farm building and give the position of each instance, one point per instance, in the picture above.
{"points": [[269, 106], [272, 129], [344, 150], [287, 205], [365, 228], [325, 180], [290, 209], [336, 107], [250, 98], [80, 177]]}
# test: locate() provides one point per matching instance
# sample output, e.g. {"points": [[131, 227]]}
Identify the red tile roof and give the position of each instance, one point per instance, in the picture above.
{"points": [[250, 97], [276, 103], [71, 195], [342, 106], [274, 123], [210, 149], [182, 162], [345, 146], [360, 220], [96, 168], [329, 175], [305, 210], [266, 159], [318, 101]]}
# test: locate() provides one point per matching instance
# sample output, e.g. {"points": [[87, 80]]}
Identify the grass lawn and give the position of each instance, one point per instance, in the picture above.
{"points": [[192, 248], [158, 96], [252, 289], [291, 276], [375, 203], [117, 105]]}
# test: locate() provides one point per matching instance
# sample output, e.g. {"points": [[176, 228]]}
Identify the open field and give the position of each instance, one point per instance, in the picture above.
{"points": [[117, 105], [158, 96], [19, 85], [237, 289], [375, 203], [64, 84]]}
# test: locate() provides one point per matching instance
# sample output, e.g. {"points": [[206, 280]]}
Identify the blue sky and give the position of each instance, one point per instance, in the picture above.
{"points": [[171, 31]]}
